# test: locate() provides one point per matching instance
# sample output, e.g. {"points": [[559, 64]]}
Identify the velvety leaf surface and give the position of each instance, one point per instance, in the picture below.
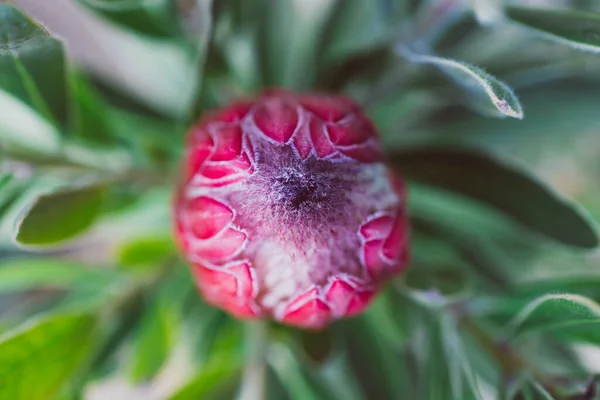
{"points": [[38, 358], [58, 216], [500, 186], [575, 28], [484, 92], [216, 374], [145, 251], [299, 382], [357, 26], [44, 272], [570, 316], [158, 331], [32, 65], [153, 18], [290, 36]]}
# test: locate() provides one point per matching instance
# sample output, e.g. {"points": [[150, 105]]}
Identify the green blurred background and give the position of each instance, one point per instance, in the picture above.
{"points": [[498, 228]]}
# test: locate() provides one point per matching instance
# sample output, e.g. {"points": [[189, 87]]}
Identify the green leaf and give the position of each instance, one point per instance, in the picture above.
{"points": [[357, 26], [541, 391], [90, 120], [376, 366], [154, 341], [336, 377], [463, 378], [59, 216], [10, 192], [387, 315], [438, 287], [147, 137], [569, 316], [202, 19], [32, 65], [578, 29], [38, 358], [218, 373], [29, 273], [159, 327], [301, 384], [477, 252], [145, 251], [487, 94], [290, 36], [500, 186], [156, 18]]}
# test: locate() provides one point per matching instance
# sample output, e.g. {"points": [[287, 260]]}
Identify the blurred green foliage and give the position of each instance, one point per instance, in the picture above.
{"points": [[501, 299]]}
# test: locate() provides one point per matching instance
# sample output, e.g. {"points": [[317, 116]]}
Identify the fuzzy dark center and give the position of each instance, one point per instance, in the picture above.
{"points": [[301, 196], [299, 190]]}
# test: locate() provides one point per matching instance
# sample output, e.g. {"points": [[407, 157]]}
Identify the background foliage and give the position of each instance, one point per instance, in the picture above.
{"points": [[500, 301]]}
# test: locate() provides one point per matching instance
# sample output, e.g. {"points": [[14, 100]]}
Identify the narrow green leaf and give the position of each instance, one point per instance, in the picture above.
{"points": [[437, 378], [153, 342], [146, 251], [358, 26], [438, 287], [156, 18], [89, 114], [24, 131], [59, 216], [463, 377], [10, 192], [38, 358], [578, 29], [202, 18], [387, 316], [570, 316], [32, 65], [300, 383], [376, 366], [339, 380], [500, 186], [289, 37], [159, 327], [29, 273], [542, 391], [476, 251], [214, 376], [488, 94]]}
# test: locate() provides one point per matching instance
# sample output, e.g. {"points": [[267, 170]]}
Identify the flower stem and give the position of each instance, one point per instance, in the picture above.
{"points": [[253, 380]]}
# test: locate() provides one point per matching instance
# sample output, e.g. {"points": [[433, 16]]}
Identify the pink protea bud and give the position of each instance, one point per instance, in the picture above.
{"points": [[287, 210]]}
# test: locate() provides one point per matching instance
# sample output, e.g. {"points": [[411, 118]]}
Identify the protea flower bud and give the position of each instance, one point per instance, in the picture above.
{"points": [[287, 210]]}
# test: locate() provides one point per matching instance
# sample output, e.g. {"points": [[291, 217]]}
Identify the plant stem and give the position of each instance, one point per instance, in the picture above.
{"points": [[510, 362], [253, 380]]}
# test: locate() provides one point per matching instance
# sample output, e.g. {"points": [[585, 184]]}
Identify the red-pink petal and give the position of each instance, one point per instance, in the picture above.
{"points": [[349, 132], [323, 146], [338, 296], [367, 152], [223, 247], [377, 228], [216, 283], [276, 119], [229, 143], [307, 311], [395, 241], [372, 257], [234, 112], [359, 302], [218, 171], [207, 216], [244, 278], [303, 145], [330, 109]]}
